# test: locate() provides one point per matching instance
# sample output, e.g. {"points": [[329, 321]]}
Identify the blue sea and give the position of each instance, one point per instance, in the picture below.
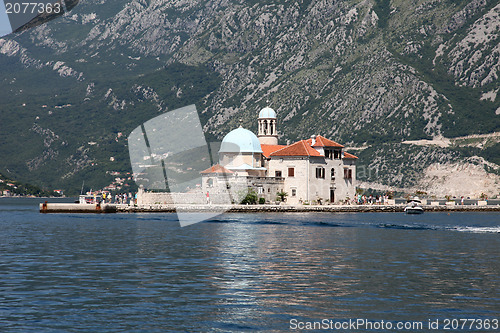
{"points": [[270, 272]]}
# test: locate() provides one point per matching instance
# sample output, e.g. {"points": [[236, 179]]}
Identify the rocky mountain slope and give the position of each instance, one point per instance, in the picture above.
{"points": [[369, 73]]}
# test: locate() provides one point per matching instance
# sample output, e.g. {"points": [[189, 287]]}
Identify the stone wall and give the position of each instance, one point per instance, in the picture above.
{"points": [[196, 198], [163, 198], [234, 188]]}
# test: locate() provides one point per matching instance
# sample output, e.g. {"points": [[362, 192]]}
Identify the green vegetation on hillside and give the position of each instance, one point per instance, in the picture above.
{"points": [[383, 10], [15, 188], [492, 153], [69, 141], [329, 68]]}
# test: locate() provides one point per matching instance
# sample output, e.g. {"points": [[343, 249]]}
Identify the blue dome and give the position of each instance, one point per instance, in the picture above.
{"points": [[240, 140], [267, 113]]}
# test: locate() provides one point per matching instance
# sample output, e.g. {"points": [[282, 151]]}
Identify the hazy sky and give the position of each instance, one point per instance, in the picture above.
{"points": [[4, 21]]}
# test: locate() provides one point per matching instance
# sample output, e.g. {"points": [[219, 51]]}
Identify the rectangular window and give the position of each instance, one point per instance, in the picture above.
{"points": [[277, 173], [291, 172], [320, 173], [332, 177], [328, 154], [294, 192], [347, 173], [337, 154]]}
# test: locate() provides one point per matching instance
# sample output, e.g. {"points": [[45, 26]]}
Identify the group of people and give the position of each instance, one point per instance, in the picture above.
{"points": [[372, 200], [120, 198]]}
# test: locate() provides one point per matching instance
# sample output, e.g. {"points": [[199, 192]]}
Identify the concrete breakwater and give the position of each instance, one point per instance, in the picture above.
{"points": [[77, 208], [123, 208]]}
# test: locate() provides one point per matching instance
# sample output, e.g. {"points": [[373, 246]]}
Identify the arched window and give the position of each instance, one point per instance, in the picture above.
{"points": [[210, 182], [332, 177]]}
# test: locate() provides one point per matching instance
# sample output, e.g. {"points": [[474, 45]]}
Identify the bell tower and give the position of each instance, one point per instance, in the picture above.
{"points": [[267, 127]]}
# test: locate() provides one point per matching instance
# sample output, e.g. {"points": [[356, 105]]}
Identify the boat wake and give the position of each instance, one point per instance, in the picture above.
{"points": [[342, 223], [479, 230], [406, 226]]}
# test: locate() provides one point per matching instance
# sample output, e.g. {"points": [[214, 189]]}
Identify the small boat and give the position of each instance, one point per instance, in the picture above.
{"points": [[89, 198], [413, 206]]}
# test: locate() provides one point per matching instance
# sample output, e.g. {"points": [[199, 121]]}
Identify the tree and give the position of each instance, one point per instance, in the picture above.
{"points": [[250, 199], [281, 196]]}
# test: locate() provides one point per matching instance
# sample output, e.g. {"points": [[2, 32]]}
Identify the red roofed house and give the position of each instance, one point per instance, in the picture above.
{"points": [[312, 170], [315, 170]]}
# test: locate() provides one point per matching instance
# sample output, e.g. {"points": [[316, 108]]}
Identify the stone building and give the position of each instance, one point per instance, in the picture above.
{"points": [[309, 171]]}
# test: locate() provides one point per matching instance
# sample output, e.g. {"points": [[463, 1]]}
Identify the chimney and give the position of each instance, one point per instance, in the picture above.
{"points": [[313, 139]]}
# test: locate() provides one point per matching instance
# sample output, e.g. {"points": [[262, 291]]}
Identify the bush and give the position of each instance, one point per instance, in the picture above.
{"points": [[250, 198], [262, 201]]}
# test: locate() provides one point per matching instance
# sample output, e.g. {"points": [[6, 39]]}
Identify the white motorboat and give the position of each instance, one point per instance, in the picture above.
{"points": [[413, 206], [89, 198]]}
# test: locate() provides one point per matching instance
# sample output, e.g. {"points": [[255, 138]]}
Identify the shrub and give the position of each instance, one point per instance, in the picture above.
{"points": [[250, 198]]}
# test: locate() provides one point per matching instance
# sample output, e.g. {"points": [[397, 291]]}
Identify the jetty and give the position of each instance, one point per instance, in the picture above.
{"points": [[100, 208], [77, 208]]}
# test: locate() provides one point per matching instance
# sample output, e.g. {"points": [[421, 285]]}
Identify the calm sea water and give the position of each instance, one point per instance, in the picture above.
{"points": [[242, 272]]}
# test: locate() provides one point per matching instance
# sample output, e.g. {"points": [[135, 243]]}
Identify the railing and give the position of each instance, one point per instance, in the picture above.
{"points": [[253, 177]]}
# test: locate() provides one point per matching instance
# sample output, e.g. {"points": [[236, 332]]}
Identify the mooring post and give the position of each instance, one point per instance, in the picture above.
{"points": [[44, 207]]}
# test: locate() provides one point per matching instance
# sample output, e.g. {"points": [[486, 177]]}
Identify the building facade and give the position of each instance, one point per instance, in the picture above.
{"points": [[316, 170]]}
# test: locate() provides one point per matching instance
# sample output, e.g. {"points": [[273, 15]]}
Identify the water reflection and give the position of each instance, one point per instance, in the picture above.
{"points": [[239, 272]]}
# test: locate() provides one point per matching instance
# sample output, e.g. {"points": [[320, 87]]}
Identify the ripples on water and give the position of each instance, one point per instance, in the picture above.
{"points": [[241, 272]]}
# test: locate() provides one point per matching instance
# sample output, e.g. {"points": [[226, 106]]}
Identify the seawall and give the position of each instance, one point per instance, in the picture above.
{"points": [[123, 208], [304, 208]]}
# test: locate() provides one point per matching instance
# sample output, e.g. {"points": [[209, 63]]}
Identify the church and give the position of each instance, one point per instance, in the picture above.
{"points": [[314, 170]]}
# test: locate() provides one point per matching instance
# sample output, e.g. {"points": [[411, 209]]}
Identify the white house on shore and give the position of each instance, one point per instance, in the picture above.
{"points": [[312, 170]]}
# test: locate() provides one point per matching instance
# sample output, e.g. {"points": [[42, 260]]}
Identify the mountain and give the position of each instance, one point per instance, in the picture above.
{"points": [[376, 75]]}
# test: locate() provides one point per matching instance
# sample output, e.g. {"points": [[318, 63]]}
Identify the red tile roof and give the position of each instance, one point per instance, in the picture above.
{"points": [[216, 169], [349, 156], [324, 142], [300, 148], [268, 149]]}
